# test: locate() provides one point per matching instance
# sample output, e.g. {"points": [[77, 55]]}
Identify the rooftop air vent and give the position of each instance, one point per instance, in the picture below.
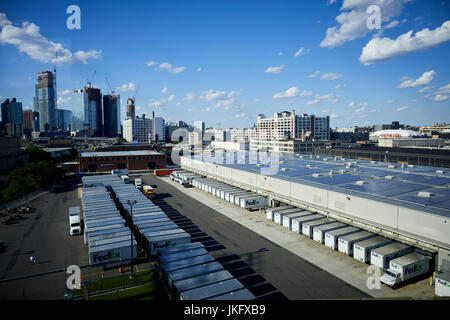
{"points": [[391, 166], [316, 175], [410, 166], [284, 169], [309, 166], [341, 171], [360, 182], [373, 161], [439, 171], [389, 177], [425, 194]]}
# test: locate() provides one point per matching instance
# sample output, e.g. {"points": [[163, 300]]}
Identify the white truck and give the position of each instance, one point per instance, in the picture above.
{"points": [[405, 268], [75, 225], [138, 183], [125, 179]]}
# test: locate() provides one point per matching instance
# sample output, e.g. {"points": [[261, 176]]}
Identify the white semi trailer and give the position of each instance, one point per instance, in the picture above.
{"points": [[381, 256]]}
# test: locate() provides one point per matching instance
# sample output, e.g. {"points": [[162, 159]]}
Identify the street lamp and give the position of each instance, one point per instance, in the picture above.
{"points": [[131, 203]]}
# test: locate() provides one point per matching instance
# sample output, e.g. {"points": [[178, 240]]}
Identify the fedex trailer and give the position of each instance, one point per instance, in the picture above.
{"points": [[331, 237], [319, 231], [253, 203], [279, 215], [346, 242], [203, 280], [362, 249], [298, 222], [270, 212], [308, 226], [287, 219], [168, 240], [113, 252], [211, 290], [191, 271], [381, 256]]}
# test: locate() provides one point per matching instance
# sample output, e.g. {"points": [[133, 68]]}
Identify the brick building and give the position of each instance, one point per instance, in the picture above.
{"points": [[131, 160]]}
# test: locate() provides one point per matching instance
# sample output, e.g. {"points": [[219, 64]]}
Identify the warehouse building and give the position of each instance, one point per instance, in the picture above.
{"points": [[404, 202], [131, 160]]}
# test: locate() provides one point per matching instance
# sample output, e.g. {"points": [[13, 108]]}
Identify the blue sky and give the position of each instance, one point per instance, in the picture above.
{"points": [[224, 62]]}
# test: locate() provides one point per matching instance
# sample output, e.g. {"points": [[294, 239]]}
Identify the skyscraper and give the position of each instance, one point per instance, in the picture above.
{"points": [[89, 99], [111, 115], [64, 119], [45, 101], [12, 118], [130, 108]]}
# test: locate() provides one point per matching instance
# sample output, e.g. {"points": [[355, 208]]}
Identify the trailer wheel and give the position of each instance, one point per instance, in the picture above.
{"points": [[395, 286]]}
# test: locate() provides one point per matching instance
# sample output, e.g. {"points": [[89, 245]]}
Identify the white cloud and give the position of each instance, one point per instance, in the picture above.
{"points": [[331, 76], [218, 95], [360, 109], [391, 101], [351, 104], [340, 86], [62, 100], [156, 103], [353, 20], [424, 79], [402, 108], [314, 74], [189, 97], [380, 49], [127, 87], [291, 93], [425, 89], [275, 69], [29, 40], [301, 51], [241, 115], [318, 99], [199, 69], [280, 53], [392, 24], [333, 115], [442, 93], [165, 90], [64, 92], [171, 97], [165, 66]]}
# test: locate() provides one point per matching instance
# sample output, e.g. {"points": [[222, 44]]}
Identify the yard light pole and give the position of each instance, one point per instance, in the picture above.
{"points": [[131, 203]]}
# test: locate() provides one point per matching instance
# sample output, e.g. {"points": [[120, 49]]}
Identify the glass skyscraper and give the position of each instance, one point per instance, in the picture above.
{"points": [[12, 117], [111, 115], [45, 101], [64, 119], [89, 100]]}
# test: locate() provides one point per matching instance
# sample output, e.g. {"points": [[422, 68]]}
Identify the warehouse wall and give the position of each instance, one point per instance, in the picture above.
{"points": [[425, 225]]}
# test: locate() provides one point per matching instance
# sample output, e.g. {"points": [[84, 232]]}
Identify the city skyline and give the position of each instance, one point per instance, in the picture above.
{"points": [[226, 62]]}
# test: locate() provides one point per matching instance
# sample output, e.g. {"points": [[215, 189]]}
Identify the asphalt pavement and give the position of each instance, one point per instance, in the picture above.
{"points": [[268, 270]]}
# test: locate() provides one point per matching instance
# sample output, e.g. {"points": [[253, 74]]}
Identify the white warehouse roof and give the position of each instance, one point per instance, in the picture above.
{"points": [[396, 134]]}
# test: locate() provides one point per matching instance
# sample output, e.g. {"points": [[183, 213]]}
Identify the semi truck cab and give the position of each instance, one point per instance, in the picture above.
{"points": [[75, 225]]}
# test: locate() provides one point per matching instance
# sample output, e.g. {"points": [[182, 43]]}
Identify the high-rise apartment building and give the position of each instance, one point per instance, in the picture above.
{"points": [[111, 115], [12, 117], [44, 101], [288, 125], [140, 130]]}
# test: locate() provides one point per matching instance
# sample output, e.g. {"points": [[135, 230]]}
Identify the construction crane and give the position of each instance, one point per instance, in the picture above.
{"points": [[134, 96], [90, 82], [110, 89]]}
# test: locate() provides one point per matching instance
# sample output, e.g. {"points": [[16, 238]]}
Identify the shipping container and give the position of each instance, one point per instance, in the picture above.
{"points": [[319, 231], [331, 237], [238, 198], [363, 249], [442, 284], [346, 242], [189, 272], [211, 290], [308, 226], [107, 231], [101, 242], [109, 236], [180, 255], [242, 294], [199, 281], [224, 193], [381, 256], [114, 252], [298, 222], [166, 268]]}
